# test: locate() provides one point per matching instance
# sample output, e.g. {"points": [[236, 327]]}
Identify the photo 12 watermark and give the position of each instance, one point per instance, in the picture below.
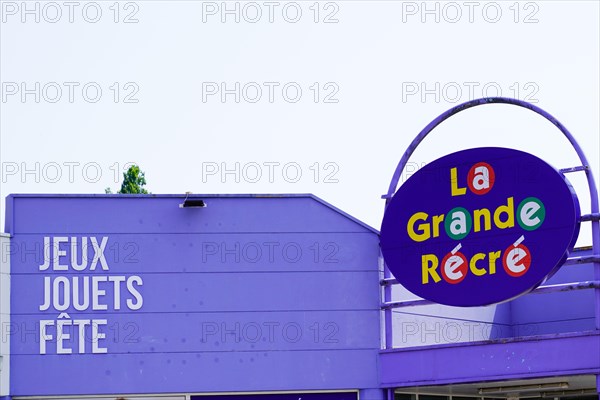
{"points": [[458, 92], [253, 172], [270, 12], [269, 332], [89, 92], [80, 251], [438, 332], [85, 334], [69, 12], [454, 12], [56, 172], [289, 92], [270, 252]]}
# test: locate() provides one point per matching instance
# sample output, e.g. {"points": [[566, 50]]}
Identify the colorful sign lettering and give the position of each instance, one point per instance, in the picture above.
{"points": [[480, 226]]}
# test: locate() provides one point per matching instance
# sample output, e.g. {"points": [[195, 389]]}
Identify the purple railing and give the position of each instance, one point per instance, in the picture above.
{"points": [[594, 217]]}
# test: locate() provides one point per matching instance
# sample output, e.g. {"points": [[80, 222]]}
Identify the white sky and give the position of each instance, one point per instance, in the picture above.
{"points": [[372, 60]]}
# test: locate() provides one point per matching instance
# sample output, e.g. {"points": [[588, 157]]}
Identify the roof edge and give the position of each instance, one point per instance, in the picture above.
{"points": [[152, 195], [196, 195], [345, 214]]}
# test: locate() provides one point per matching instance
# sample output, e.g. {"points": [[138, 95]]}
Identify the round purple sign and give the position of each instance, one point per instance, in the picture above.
{"points": [[480, 226]]}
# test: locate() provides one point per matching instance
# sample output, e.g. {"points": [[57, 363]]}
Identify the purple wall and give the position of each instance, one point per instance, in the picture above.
{"points": [[248, 294], [553, 355], [529, 315], [536, 335], [557, 312]]}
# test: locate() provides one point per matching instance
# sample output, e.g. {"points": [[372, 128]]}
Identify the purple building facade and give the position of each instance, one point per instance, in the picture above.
{"points": [[248, 294], [260, 296], [542, 345]]}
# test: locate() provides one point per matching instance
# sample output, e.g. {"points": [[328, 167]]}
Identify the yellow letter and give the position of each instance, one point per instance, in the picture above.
{"points": [[436, 220], [454, 189], [428, 268], [487, 219], [493, 257], [477, 271], [509, 209], [424, 230]]}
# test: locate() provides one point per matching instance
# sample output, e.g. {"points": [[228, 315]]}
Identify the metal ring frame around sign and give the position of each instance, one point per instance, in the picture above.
{"points": [[594, 217]]}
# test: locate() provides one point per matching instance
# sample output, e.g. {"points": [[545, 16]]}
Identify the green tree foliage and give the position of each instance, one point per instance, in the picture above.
{"points": [[133, 181]]}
